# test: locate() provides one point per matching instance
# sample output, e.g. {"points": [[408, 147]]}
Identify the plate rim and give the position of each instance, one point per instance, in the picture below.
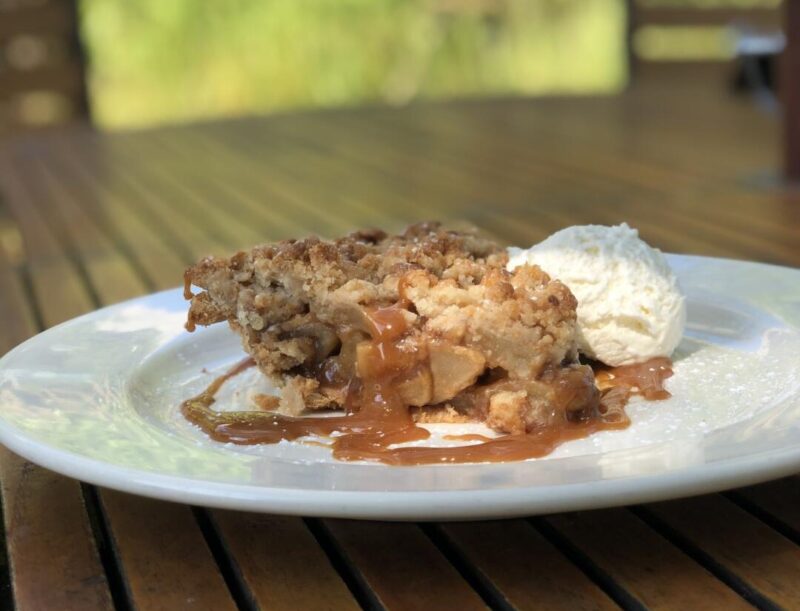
{"points": [[413, 505]]}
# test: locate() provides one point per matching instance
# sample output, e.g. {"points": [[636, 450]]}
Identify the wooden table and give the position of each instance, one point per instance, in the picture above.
{"points": [[89, 219]]}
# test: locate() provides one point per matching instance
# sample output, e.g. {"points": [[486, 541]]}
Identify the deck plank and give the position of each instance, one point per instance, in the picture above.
{"points": [[525, 569], [51, 548], [153, 540], [165, 561], [401, 567], [780, 499], [278, 559], [652, 570], [763, 559]]}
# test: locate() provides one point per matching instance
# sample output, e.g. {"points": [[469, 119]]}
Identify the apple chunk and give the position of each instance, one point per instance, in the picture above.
{"points": [[453, 368]]}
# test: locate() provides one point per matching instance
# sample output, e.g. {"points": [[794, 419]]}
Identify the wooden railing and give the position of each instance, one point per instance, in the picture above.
{"points": [[686, 36], [42, 69], [790, 87]]}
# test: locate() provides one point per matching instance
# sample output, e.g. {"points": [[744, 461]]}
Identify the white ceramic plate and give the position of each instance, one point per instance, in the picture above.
{"points": [[97, 399]]}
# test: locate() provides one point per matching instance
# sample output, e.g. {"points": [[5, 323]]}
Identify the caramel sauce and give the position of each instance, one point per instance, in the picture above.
{"points": [[384, 360], [376, 418], [187, 295], [387, 324], [467, 437], [402, 292], [187, 286], [646, 379]]}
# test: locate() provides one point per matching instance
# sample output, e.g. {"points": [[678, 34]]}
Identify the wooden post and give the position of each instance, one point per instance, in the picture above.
{"points": [[76, 46], [790, 86]]}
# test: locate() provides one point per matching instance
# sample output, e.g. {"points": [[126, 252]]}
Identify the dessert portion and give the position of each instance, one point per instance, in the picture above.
{"points": [[630, 307], [429, 322], [428, 326]]}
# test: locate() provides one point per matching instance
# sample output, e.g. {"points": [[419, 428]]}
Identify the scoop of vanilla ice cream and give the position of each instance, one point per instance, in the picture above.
{"points": [[630, 307]]}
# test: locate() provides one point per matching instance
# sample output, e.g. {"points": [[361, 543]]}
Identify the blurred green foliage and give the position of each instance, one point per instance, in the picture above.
{"points": [[155, 61]]}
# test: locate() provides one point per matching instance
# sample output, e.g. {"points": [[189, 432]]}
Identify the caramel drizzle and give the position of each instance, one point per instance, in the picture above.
{"points": [[645, 379], [368, 433], [377, 419], [190, 326], [467, 437]]}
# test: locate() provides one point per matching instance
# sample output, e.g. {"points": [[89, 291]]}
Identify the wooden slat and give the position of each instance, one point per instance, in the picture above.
{"points": [[733, 16], [274, 573], [108, 272], [524, 568], [401, 567], [183, 196], [779, 499], [458, 165], [548, 216], [54, 279], [64, 77], [500, 191], [148, 244], [358, 197], [638, 132], [655, 573], [646, 216], [155, 541], [173, 536], [558, 165], [50, 544], [133, 193], [52, 552], [15, 313], [52, 17], [281, 178], [166, 562], [756, 554], [269, 206], [281, 563], [53, 557]]}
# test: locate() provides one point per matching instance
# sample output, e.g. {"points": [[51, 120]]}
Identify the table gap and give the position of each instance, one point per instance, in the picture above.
{"points": [[733, 581], [6, 590], [226, 562], [774, 522], [26, 280], [471, 574], [106, 548], [587, 566], [345, 567]]}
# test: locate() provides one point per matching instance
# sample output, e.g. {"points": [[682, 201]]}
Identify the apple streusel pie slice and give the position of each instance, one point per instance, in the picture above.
{"points": [[428, 321]]}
